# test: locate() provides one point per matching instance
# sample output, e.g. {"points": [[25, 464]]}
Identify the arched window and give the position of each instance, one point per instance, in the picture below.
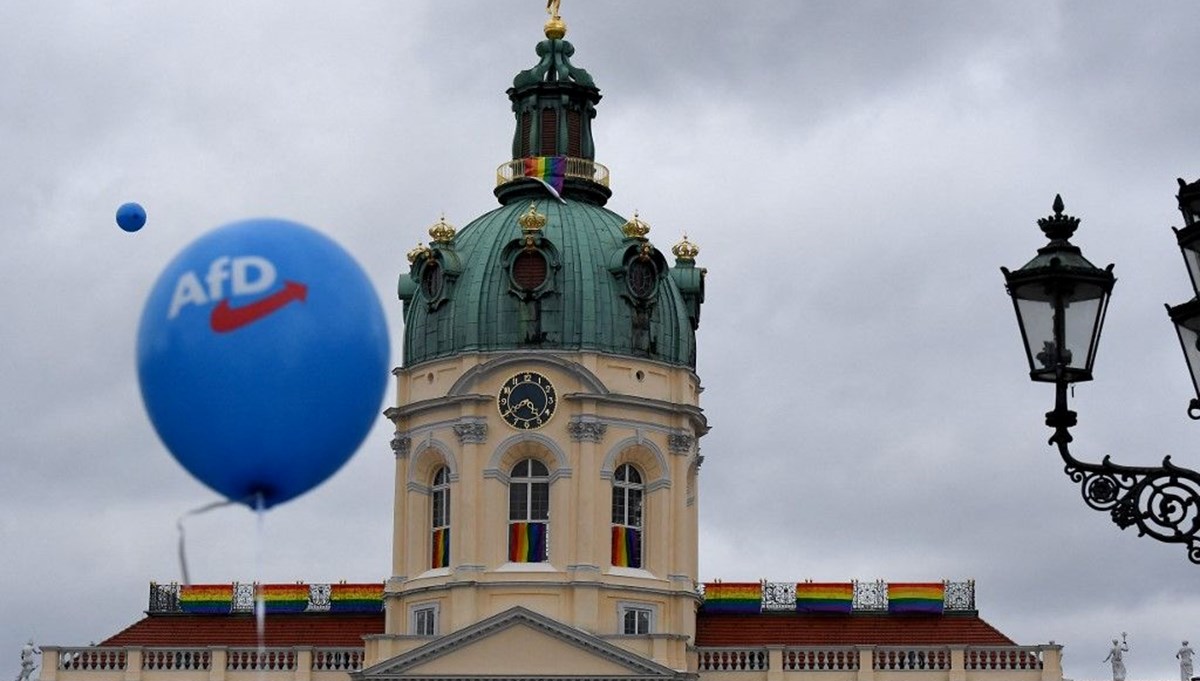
{"points": [[440, 520], [627, 517], [528, 511]]}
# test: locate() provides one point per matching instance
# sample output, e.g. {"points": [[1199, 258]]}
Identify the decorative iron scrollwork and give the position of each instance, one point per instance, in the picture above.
{"points": [[1162, 502], [243, 597], [779, 596], [871, 596]]}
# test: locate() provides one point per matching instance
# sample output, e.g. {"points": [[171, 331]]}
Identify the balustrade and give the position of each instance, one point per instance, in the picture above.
{"points": [[1008, 659], [733, 659], [261, 660], [176, 659], [912, 658], [820, 659], [337, 659], [91, 659]]}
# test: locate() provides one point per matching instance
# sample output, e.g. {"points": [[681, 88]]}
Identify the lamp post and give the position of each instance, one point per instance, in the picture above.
{"points": [[1060, 299]]}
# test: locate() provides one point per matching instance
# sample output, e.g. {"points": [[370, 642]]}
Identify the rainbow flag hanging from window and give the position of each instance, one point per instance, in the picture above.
{"points": [[206, 598], [733, 597], [355, 597], [549, 169], [526, 542], [284, 597], [905, 597], [441, 548], [825, 597], [626, 546]]}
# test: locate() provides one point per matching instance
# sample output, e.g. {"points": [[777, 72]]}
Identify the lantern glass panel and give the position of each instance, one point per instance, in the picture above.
{"points": [[1187, 324], [1061, 328]]}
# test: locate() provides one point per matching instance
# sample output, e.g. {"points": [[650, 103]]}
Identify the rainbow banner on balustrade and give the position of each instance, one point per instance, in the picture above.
{"points": [[355, 597], [207, 599], [526, 542], [626, 546], [733, 597], [549, 169], [836, 597], [441, 548], [925, 598], [284, 597]]}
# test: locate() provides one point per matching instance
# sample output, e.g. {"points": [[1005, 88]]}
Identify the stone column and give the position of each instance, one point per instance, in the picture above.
{"points": [[774, 663], [218, 660], [958, 665], [304, 662], [1051, 662], [133, 664], [866, 663], [49, 668]]}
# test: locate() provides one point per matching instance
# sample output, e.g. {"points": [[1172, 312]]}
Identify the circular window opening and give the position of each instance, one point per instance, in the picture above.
{"points": [[529, 270], [431, 280], [642, 276]]}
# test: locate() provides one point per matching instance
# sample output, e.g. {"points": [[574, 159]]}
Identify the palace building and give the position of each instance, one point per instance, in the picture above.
{"points": [[547, 423]]}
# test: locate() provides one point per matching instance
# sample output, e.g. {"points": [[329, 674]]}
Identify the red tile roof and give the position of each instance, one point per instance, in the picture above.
{"points": [[796, 629], [300, 629], [337, 630]]}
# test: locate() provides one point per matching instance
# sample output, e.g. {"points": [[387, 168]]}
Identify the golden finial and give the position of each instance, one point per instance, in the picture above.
{"points": [[421, 251], [555, 27], [442, 232], [635, 228], [531, 220], [685, 250]]}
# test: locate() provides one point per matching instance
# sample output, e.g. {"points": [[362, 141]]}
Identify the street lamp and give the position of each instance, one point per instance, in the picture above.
{"points": [[1060, 299]]}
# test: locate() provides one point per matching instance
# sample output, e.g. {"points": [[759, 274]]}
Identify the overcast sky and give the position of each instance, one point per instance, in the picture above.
{"points": [[855, 174]]}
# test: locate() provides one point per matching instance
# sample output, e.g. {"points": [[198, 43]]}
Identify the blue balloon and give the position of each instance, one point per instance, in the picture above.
{"points": [[262, 356], [131, 217]]}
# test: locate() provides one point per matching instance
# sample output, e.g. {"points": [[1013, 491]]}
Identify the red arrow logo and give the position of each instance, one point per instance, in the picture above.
{"points": [[225, 318]]}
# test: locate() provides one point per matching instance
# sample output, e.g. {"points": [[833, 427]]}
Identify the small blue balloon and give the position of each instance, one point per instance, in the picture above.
{"points": [[262, 356], [131, 217]]}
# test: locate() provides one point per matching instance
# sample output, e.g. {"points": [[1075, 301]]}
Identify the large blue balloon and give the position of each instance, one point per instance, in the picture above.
{"points": [[262, 356]]}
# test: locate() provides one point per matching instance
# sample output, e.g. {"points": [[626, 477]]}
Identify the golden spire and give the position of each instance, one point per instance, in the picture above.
{"points": [[531, 220], [635, 228], [555, 27], [685, 250], [442, 232]]}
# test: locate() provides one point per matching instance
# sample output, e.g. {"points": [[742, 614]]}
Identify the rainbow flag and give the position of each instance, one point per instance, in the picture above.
{"points": [[626, 546], [284, 597], [526, 542], [927, 598], [549, 169], [355, 597], [733, 597], [441, 548], [206, 598], [825, 597]]}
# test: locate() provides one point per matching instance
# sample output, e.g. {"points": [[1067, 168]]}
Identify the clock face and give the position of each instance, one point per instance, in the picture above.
{"points": [[527, 401]]}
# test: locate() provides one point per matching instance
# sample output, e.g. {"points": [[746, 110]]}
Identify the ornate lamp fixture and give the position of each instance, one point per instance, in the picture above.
{"points": [[1060, 299]]}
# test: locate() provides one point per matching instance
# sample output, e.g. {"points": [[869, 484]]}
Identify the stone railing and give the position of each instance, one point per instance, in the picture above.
{"points": [[211, 664], [1030, 663]]}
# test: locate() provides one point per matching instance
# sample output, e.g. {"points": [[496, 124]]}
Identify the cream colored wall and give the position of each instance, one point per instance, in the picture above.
{"points": [[641, 404]]}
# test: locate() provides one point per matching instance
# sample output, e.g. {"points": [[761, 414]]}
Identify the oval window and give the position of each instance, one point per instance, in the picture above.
{"points": [[529, 270], [642, 277], [431, 279]]}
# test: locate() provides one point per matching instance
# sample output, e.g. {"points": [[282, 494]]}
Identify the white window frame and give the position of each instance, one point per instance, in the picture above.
{"points": [[416, 614], [625, 608]]}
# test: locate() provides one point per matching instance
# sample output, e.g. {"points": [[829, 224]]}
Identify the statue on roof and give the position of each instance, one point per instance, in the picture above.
{"points": [[1185, 662], [28, 661], [552, 8], [1117, 656]]}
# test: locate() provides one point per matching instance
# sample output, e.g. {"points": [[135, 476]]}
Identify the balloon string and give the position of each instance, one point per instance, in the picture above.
{"points": [[260, 604], [183, 566]]}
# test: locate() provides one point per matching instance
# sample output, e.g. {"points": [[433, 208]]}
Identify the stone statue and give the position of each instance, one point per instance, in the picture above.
{"points": [[28, 661], [1117, 655], [1185, 662]]}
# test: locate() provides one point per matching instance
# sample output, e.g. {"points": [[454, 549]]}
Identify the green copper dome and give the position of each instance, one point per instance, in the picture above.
{"points": [[551, 269]]}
